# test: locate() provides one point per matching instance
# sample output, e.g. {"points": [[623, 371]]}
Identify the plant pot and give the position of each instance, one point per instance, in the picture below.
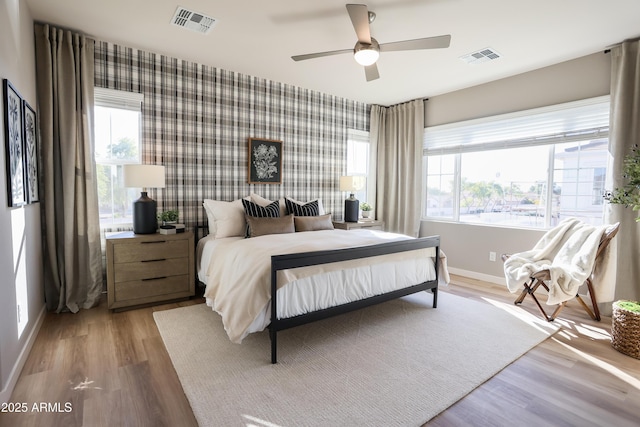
{"points": [[365, 214], [625, 328]]}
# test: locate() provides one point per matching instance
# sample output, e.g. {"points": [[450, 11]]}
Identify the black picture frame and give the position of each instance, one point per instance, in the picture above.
{"points": [[31, 153], [265, 161], [14, 146]]}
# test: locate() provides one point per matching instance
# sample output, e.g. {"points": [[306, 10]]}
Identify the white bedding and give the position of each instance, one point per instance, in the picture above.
{"points": [[237, 274]]}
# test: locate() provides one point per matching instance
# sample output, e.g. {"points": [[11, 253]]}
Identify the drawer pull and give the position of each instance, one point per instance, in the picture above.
{"points": [[157, 241], [154, 260], [155, 278]]}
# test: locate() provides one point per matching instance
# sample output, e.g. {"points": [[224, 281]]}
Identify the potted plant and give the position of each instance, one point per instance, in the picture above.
{"points": [[629, 195], [626, 314], [168, 217], [366, 209]]}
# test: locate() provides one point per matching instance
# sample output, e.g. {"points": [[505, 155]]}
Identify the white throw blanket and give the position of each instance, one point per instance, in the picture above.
{"points": [[568, 251]]}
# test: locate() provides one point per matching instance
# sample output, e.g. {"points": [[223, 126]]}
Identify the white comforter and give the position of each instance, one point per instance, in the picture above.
{"points": [[568, 251], [238, 276]]}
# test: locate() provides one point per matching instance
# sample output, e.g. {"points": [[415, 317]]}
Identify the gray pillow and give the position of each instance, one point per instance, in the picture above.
{"points": [[313, 223], [262, 226]]}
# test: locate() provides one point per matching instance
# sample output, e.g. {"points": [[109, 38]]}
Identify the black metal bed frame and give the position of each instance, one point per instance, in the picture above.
{"points": [[305, 259]]}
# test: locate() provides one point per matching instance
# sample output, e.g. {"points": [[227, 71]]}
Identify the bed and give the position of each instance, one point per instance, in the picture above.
{"points": [[278, 281]]}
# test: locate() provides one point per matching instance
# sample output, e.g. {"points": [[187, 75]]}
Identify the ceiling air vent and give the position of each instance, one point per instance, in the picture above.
{"points": [[193, 21], [480, 56]]}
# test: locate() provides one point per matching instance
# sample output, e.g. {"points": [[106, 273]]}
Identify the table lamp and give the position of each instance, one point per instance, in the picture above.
{"points": [[351, 184], [145, 219]]}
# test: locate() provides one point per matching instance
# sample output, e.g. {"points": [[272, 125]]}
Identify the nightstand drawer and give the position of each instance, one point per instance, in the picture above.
{"points": [[145, 251], [136, 289], [154, 269], [149, 268]]}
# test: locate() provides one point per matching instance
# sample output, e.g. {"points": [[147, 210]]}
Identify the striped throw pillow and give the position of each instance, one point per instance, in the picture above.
{"points": [[272, 210], [308, 209]]}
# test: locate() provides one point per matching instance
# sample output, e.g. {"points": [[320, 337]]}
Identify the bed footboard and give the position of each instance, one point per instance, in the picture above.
{"points": [[285, 262]]}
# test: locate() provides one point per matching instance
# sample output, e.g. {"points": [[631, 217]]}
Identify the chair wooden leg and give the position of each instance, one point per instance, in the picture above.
{"points": [[586, 308], [594, 303], [557, 310], [532, 293], [530, 290], [523, 294], [531, 287]]}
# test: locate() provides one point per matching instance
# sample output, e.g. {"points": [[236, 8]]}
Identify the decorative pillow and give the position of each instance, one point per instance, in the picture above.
{"points": [[320, 207], [263, 226], [313, 223], [226, 219], [265, 202], [308, 209], [272, 210]]}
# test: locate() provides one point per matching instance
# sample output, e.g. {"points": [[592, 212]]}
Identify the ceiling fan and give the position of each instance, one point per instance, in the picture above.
{"points": [[367, 49]]}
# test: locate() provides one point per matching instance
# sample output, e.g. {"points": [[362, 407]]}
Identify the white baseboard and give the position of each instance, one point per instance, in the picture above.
{"points": [[5, 394], [479, 276]]}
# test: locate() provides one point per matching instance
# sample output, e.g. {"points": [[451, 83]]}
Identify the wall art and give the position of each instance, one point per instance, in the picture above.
{"points": [[31, 156], [14, 146], [265, 161]]}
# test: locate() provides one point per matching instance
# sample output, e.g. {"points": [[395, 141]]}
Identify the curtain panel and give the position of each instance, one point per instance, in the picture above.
{"points": [[624, 134], [397, 132], [72, 255]]}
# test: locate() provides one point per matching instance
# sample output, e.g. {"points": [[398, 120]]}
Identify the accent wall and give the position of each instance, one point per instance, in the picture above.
{"points": [[197, 120]]}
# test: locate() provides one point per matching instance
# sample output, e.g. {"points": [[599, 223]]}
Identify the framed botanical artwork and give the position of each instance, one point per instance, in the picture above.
{"points": [[30, 152], [16, 192], [265, 161]]}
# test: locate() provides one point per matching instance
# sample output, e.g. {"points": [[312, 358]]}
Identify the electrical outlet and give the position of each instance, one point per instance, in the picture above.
{"points": [[492, 256]]}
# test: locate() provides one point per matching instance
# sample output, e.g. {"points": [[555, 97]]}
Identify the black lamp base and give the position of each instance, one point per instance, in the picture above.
{"points": [[145, 220], [351, 209]]}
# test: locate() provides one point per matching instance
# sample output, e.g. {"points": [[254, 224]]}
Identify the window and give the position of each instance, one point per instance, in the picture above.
{"points": [[496, 170], [117, 142], [359, 161]]}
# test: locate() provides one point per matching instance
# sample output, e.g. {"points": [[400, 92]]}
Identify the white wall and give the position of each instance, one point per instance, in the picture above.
{"points": [[21, 276], [467, 246]]}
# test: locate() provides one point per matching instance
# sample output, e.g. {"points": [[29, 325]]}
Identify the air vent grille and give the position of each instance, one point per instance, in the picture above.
{"points": [[193, 21], [480, 56]]}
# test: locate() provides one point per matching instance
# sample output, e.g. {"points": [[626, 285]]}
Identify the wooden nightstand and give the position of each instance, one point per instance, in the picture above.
{"points": [[368, 224], [149, 268]]}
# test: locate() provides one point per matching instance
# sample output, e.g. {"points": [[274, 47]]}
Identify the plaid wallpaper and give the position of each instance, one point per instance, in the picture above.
{"points": [[197, 121]]}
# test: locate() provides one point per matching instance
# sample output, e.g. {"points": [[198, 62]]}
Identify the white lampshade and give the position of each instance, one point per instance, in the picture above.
{"points": [[351, 183], [144, 176]]}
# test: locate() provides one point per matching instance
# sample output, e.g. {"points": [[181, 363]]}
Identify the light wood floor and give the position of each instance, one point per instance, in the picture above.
{"points": [[113, 370]]}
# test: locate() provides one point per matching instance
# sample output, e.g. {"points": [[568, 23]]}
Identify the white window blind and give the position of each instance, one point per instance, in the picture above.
{"points": [[573, 121], [118, 99], [358, 135]]}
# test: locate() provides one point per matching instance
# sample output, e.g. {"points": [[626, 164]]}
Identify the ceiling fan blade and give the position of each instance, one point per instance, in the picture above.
{"points": [[359, 15], [426, 43], [320, 54], [371, 71]]}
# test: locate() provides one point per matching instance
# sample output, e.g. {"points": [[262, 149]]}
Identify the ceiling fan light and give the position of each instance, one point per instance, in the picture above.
{"points": [[366, 56]]}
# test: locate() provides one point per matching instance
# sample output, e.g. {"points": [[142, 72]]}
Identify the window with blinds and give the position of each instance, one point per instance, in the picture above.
{"points": [[117, 116], [530, 168], [359, 162]]}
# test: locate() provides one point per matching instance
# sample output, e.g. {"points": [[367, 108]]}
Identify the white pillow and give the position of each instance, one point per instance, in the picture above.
{"points": [[320, 207], [226, 219], [259, 200]]}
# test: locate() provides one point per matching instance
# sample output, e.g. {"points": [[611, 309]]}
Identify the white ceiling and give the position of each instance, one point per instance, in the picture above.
{"points": [[258, 38]]}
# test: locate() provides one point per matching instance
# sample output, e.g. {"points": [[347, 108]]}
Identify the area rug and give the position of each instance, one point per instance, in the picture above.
{"points": [[397, 363]]}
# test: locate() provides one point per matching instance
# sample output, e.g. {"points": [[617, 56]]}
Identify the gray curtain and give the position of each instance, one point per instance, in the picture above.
{"points": [[397, 132], [65, 76], [624, 133]]}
